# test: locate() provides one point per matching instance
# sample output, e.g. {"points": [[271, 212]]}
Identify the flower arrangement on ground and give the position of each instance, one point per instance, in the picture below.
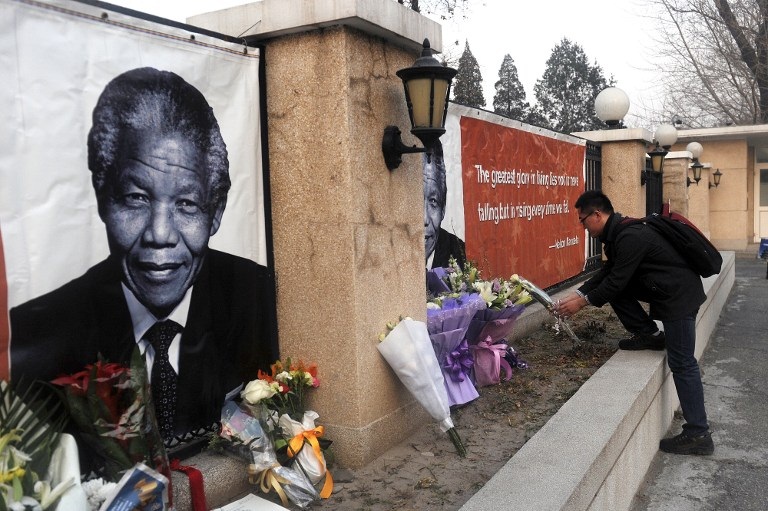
{"points": [[408, 350], [448, 318], [111, 407], [490, 326], [277, 399]]}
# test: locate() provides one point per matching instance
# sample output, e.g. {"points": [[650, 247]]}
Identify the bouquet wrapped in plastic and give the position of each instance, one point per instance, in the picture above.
{"points": [[505, 302], [296, 437], [242, 425], [408, 350], [490, 360], [447, 321], [542, 297], [299, 433]]}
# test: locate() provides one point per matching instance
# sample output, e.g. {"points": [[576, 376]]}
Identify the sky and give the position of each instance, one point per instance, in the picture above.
{"points": [[617, 34]]}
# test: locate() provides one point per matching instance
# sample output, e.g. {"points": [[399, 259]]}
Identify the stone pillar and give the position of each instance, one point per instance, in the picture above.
{"points": [[348, 233], [698, 201], [675, 188], [623, 159]]}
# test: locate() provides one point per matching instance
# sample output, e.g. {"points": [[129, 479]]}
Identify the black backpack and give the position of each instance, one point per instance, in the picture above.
{"points": [[697, 251]]}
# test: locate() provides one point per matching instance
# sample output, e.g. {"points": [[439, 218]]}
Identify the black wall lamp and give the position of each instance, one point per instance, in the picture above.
{"points": [[695, 149], [427, 85], [716, 177], [664, 138]]}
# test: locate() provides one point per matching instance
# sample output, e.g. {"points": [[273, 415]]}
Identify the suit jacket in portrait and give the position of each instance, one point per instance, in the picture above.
{"points": [[448, 245], [229, 334]]}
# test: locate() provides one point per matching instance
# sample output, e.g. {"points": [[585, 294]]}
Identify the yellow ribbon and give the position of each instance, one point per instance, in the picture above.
{"points": [[311, 435], [267, 480]]}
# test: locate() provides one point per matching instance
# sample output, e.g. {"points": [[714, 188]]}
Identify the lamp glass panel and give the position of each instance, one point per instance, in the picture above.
{"points": [[419, 90], [657, 162]]}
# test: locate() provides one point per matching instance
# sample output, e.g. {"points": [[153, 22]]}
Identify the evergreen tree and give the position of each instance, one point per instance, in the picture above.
{"points": [[468, 85], [566, 93], [510, 94]]}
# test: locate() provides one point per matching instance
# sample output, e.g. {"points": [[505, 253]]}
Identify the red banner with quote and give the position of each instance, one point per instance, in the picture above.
{"points": [[519, 188]]}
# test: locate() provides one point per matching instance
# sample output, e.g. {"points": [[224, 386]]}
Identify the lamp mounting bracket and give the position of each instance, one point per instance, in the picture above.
{"points": [[393, 148]]}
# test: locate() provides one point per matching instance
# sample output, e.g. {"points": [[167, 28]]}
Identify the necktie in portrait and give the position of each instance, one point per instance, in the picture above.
{"points": [[164, 378]]}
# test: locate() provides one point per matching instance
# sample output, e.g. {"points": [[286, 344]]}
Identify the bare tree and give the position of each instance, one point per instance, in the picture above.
{"points": [[444, 8], [713, 61]]}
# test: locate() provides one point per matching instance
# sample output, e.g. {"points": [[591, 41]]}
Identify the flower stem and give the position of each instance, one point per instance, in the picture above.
{"points": [[454, 436]]}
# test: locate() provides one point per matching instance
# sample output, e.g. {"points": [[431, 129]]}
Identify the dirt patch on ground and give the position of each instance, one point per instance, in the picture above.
{"points": [[425, 473]]}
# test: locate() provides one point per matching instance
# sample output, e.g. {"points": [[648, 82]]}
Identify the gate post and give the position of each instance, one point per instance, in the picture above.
{"points": [[348, 233], [690, 201], [623, 158], [676, 189]]}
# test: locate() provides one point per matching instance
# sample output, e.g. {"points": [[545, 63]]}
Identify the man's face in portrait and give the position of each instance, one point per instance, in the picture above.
{"points": [[434, 207], [159, 217]]}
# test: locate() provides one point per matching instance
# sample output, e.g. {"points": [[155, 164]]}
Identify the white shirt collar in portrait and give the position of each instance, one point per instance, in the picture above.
{"points": [[143, 320], [430, 259]]}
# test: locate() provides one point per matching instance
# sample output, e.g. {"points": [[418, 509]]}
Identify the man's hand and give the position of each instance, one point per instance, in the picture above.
{"points": [[570, 305]]}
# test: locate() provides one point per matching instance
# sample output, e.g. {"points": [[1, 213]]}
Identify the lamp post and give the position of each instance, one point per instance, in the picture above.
{"points": [[427, 85], [611, 105], [695, 149]]}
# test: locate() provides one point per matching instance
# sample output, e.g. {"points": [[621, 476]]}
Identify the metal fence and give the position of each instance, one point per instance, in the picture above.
{"points": [[593, 180]]}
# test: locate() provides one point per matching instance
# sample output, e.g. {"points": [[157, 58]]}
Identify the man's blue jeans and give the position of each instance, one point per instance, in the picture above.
{"points": [[681, 343]]}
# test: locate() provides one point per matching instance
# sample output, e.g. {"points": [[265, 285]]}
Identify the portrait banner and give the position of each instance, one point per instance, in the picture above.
{"points": [[517, 186], [131, 191]]}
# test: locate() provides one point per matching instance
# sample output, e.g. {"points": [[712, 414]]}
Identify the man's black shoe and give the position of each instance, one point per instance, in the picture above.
{"points": [[685, 443], [643, 342]]}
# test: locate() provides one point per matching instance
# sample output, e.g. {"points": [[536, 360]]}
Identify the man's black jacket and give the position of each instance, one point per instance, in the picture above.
{"points": [[642, 264]]}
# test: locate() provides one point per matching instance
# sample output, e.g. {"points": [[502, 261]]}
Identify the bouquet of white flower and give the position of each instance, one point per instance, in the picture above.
{"points": [[408, 350], [543, 298]]}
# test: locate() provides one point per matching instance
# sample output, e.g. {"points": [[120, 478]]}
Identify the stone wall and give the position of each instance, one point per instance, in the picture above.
{"points": [[348, 235]]}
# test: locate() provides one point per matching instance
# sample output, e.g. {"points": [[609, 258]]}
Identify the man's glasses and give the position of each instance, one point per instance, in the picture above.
{"points": [[584, 218]]}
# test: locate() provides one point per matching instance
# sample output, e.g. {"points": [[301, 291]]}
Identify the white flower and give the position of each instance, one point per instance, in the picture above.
{"points": [[26, 504], [283, 377], [256, 391], [485, 289], [48, 495], [97, 491]]}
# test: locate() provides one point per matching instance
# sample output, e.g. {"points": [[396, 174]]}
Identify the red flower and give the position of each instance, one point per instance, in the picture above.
{"points": [[109, 379]]}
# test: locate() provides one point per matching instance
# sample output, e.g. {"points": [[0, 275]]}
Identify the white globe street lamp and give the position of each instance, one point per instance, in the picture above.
{"points": [[611, 105], [666, 136]]}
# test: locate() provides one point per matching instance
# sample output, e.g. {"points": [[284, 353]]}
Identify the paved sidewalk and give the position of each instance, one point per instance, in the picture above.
{"points": [[735, 375]]}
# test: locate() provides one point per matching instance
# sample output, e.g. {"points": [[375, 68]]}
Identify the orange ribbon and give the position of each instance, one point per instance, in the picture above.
{"points": [[311, 435]]}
